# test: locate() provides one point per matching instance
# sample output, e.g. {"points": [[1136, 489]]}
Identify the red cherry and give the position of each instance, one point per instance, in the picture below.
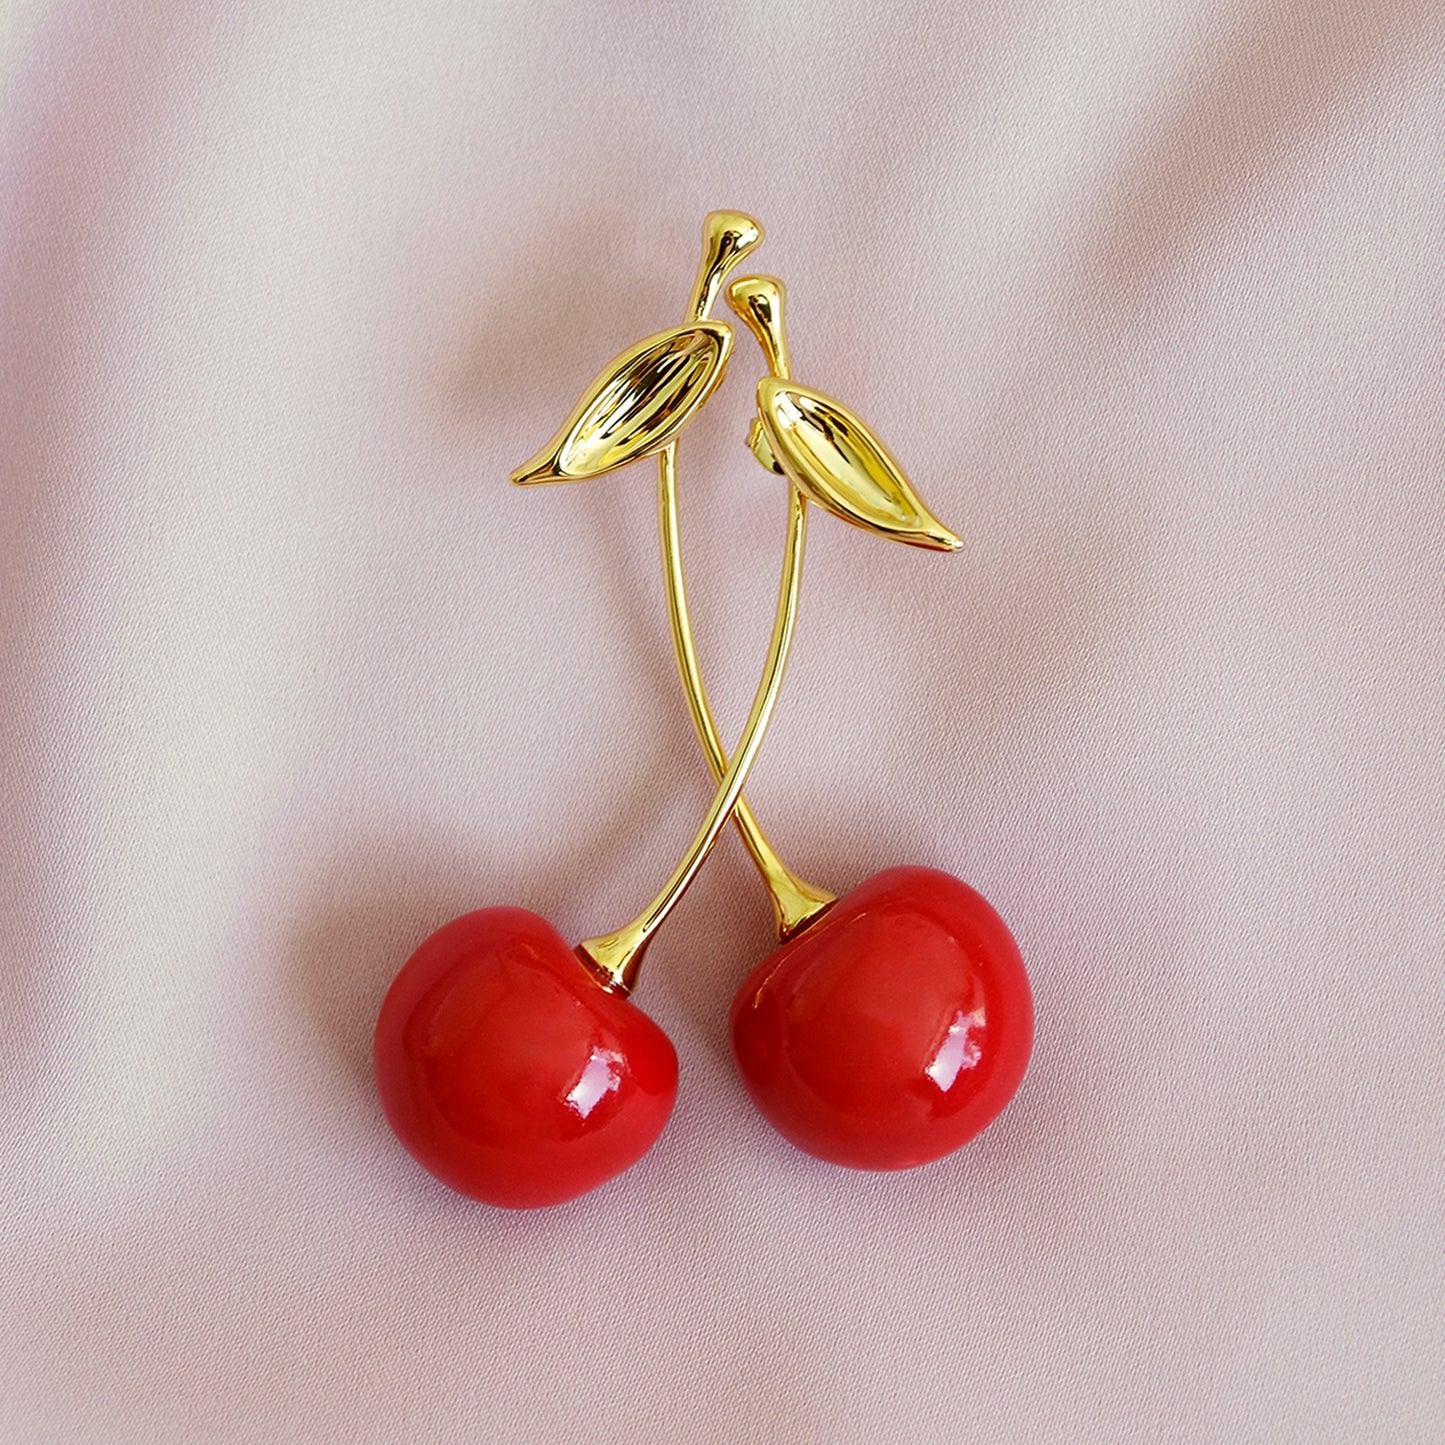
{"points": [[510, 1071], [893, 1028]]}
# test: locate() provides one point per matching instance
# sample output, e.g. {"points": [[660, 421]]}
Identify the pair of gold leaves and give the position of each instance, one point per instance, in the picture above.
{"points": [[643, 400]]}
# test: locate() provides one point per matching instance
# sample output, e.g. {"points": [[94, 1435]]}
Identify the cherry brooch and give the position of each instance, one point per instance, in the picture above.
{"points": [[890, 1025]]}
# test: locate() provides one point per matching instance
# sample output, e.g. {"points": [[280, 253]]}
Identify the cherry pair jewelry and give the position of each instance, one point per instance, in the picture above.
{"points": [[890, 1025]]}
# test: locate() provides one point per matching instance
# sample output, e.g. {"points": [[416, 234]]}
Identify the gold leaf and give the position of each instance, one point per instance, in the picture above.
{"points": [[832, 456], [637, 405]]}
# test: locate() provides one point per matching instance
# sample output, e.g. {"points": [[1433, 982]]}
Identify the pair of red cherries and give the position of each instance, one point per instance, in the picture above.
{"points": [[886, 1034], [890, 1027]]}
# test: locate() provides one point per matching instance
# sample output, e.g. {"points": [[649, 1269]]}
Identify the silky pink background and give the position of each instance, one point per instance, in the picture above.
{"points": [[1148, 298]]}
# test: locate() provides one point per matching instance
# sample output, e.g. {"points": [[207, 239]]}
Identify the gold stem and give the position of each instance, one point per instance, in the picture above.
{"points": [[795, 901], [618, 956], [758, 302], [728, 236]]}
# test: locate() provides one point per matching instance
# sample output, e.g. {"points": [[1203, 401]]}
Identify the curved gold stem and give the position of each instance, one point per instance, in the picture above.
{"points": [[728, 236], [758, 301], [618, 955], [795, 901]]}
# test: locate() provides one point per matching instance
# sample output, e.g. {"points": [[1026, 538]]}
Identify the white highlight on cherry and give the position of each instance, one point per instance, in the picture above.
{"points": [[958, 1051], [600, 1076]]}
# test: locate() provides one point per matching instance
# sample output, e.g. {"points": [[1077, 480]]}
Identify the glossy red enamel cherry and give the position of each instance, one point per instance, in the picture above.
{"points": [[892, 1029], [510, 1071]]}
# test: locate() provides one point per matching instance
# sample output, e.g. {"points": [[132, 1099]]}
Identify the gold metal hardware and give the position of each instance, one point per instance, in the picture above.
{"points": [[637, 407]]}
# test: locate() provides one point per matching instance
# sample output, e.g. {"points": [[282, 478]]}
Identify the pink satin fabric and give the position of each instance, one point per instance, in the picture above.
{"points": [[1147, 299]]}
